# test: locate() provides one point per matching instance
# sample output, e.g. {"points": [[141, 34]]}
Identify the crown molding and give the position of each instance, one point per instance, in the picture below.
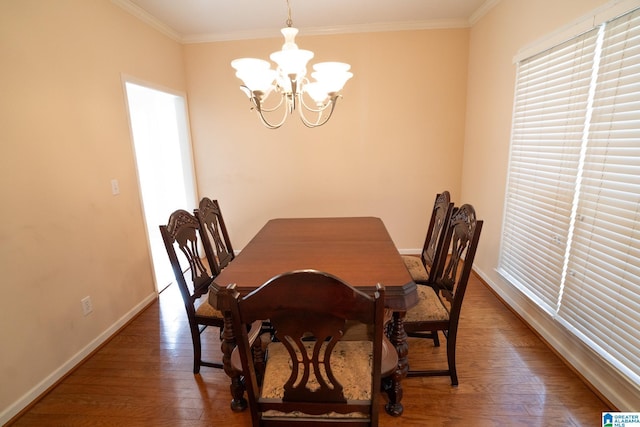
{"points": [[482, 10], [339, 29], [274, 33], [145, 17]]}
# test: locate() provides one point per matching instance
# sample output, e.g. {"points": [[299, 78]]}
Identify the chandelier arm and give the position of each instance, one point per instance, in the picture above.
{"points": [[320, 120], [300, 95], [264, 120], [319, 109], [258, 104]]}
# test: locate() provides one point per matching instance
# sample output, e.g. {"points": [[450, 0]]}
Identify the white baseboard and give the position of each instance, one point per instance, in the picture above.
{"points": [[410, 251], [613, 386], [70, 364]]}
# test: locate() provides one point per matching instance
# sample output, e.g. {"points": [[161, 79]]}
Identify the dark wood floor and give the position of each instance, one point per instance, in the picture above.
{"points": [[143, 377]]}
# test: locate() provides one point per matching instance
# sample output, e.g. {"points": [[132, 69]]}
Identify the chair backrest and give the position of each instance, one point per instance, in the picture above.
{"points": [[309, 311], [462, 236], [218, 250], [433, 253], [182, 240]]}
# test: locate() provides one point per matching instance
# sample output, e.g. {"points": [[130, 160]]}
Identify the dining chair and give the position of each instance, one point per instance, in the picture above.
{"points": [[182, 239], [311, 374], [218, 249], [438, 307], [426, 268]]}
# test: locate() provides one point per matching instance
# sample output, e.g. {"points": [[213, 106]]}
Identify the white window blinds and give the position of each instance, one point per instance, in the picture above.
{"points": [[572, 216], [552, 92], [601, 297]]}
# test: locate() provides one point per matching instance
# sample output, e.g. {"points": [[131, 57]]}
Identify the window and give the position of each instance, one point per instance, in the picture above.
{"points": [[571, 236]]}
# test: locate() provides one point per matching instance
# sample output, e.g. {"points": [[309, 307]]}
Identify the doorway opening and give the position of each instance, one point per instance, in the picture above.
{"points": [[164, 160]]}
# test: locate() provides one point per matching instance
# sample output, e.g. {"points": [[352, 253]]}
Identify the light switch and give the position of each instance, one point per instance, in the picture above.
{"points": [[115, 187]]}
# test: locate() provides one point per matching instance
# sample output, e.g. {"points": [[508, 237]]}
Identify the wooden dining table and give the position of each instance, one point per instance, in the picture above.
{"points": [[358, 250]]}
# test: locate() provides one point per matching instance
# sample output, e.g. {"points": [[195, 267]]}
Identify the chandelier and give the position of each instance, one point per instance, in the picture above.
{"points": [[289, 83]]}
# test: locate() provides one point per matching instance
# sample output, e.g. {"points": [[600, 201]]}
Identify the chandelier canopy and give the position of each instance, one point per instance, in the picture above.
{"points": [[290, 84]]}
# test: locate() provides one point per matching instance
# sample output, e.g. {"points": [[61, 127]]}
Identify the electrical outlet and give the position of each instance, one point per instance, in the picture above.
{"points": [[87, 307], [115, 187]]}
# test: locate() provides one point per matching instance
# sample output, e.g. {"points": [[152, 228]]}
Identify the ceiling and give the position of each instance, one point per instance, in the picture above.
{"points": [[192, 21]]}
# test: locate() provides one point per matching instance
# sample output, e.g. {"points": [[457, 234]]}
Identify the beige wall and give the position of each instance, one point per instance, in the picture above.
{"points": [[510, 26], [395, 139], [64, 135]]}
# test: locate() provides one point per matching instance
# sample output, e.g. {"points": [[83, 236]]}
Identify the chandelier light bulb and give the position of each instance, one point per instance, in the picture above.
{"points": [[332, 75], [254, 73], [317, 92]]}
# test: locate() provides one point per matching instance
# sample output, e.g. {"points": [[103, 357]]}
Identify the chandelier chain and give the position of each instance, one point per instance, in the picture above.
{"points": [[289, 21]]}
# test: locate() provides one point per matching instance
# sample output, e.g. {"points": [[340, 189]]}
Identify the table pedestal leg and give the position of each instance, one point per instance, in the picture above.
{"points": [[238, 402], [398, 338]]}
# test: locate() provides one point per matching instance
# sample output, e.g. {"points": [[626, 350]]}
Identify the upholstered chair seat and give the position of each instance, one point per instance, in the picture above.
{"points": [[207, 310], [416, 268], [430, 306], [351, 361]]}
